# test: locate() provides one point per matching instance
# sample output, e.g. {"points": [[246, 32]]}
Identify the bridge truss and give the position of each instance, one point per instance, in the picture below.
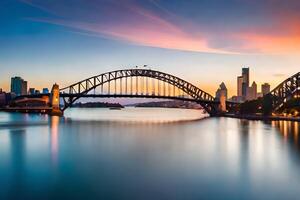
{"points": [[133, 83], [286, 90]]}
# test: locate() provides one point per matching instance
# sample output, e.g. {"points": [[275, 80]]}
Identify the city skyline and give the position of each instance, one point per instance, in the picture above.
{"points": [[59, 43]]}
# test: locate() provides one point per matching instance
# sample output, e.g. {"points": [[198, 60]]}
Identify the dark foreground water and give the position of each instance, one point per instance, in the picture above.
{"points": [[146, 154]]}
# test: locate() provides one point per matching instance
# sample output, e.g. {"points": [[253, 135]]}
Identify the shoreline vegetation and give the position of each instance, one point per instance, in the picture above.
{"points": [[167, 104], [157, 104], [97, 105]]}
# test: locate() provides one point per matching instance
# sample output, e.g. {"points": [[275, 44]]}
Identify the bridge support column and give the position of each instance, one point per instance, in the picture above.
{"points": [[54, 100], [222, 103]]}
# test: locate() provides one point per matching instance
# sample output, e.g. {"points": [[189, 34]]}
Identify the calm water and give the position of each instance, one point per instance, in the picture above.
{"points": [[146, 154]]}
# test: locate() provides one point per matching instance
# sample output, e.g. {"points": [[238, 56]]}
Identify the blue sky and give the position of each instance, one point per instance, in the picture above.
{"points": [[204, 42]]}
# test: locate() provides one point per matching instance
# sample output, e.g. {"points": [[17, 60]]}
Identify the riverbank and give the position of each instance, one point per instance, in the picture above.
{"points": [[261, 117]]}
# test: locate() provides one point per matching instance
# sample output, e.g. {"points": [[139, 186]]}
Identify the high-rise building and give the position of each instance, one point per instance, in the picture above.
{"points": [[252, 92], [265, 88], [239, 86], [245, 74], [18, 86], [245, 84], [24, 88]]}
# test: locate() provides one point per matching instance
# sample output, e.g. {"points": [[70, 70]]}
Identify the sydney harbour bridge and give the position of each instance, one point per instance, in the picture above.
{"points": [[147, 83]]}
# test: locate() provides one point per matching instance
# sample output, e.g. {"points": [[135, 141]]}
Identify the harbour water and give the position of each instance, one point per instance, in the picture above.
{"points": [[146, 153]]}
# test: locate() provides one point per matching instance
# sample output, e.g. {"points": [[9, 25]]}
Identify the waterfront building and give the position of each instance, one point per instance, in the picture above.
{"points": [[45, 91], [2, 98], [18, 86], [265, 88], [31, 90], [5, 98]]}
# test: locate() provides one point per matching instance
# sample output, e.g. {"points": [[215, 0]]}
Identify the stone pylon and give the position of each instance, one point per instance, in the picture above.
{"points": [[54, 100]]}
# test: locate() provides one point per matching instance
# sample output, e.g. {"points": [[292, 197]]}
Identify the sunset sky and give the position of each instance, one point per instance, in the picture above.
{"points": [[202, 41]]}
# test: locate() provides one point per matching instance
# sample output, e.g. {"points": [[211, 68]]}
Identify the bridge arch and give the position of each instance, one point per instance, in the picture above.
{"points": [[286, 90], [80, 89]]}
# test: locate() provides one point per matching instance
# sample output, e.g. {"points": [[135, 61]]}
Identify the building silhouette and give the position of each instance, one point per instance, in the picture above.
{"points": [[252, 92], [239, 86], [221, 95], [31, 91], [45, 91], [245, 84], [265, 88], [18, 86]]}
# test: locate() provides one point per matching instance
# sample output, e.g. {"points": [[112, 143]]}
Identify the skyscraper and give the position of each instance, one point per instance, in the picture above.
{"points": [[24, 88], [239, 86], [252, 92], [18, 86], [265, 88], [245, 84], [254, 88]]}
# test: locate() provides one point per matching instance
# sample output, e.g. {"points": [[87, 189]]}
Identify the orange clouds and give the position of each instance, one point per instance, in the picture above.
{"points": [[284, 39], [271, 44], [136, 25]]}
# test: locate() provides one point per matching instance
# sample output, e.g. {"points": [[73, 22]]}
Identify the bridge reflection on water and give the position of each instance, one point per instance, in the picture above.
{"points": [[45, 154], [289, 130]]}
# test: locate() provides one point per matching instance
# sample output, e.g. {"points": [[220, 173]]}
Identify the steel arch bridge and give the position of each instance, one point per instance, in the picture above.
{"points": [[143, 83], [285, 91]]}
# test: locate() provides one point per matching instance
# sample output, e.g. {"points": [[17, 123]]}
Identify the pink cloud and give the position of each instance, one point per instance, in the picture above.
{"points": [[134, 24]]}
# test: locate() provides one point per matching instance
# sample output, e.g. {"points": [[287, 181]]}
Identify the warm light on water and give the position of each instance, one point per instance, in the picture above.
{"points": [[142, 153], [148, 115]]}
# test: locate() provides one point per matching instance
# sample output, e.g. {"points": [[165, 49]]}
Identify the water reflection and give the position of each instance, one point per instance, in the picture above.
{"points": [[54, 123], [150, 156], [18, 163], [289, 131]]}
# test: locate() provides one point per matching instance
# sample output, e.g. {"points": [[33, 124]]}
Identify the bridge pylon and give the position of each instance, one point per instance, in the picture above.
{"points": [[54, 101]]}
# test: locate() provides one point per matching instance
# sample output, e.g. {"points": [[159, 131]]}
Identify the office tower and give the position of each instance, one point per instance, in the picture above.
{"points": [[24, 88], [252, 92], [18, 86], [245, 84], [265, 88], [245, 74], [239, 86]]}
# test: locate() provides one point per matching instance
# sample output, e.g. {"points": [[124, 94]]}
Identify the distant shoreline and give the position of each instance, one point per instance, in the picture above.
{"points": [[97, 105]]}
